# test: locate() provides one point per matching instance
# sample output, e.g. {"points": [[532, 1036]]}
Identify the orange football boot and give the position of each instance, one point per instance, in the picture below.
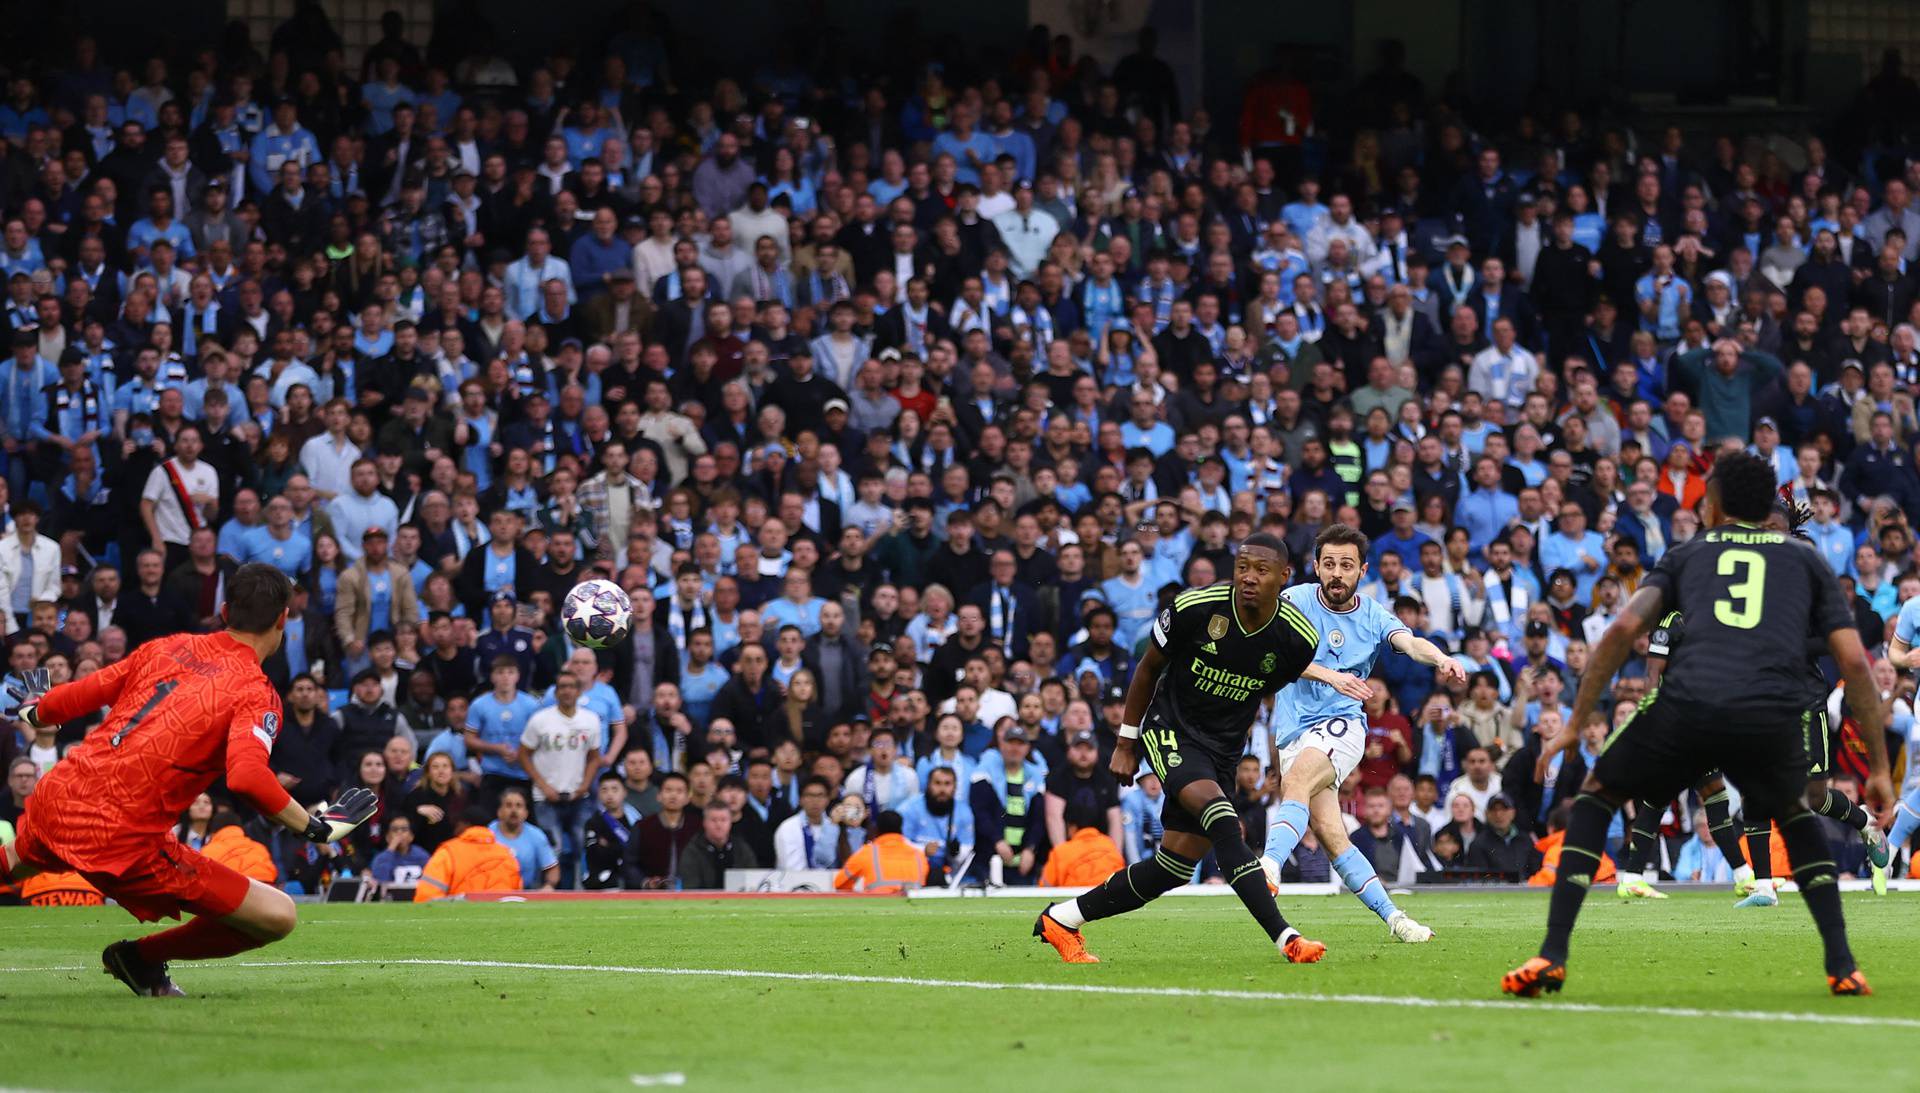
{"points": [[1299, 950], [1851, 983], [1535, 976], [1068, 943]]}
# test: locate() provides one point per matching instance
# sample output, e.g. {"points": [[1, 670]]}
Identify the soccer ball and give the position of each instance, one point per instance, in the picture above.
{"points": [[597, 614]]}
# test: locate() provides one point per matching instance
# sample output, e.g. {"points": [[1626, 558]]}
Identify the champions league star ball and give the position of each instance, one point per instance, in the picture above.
{"points": [[597, 614]]}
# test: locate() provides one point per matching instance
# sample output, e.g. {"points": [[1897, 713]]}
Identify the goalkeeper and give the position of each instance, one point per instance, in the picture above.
{"points": [[186, 710]]}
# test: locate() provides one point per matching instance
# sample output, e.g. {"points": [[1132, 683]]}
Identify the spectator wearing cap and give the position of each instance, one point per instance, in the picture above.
{"points": [[1766, 444], [374, 594], [504, 636], [367, 722], [1007, 798], [1026, 232], [1082, 784], [1402, 538], [73, 415], [1500, 846]]}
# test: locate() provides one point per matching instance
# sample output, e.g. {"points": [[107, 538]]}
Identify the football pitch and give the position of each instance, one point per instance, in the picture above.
{"points": [[880, 993]]}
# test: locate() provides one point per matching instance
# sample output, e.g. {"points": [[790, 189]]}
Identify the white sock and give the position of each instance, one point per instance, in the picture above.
{"points": [[1743, 874], [1068, 914], [1286, 935], [1764, 885], [1625, 877]]}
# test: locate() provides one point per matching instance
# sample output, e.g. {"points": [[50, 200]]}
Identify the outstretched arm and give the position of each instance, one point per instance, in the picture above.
{"points": [[1425, 652]]}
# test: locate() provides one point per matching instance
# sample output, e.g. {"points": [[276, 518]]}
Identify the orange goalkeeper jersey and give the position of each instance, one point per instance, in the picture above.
{"points": [[186, 710]]}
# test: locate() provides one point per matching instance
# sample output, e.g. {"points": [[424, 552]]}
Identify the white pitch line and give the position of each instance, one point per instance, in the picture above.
{"points": [[1402, 1001], [1405, 1001]]}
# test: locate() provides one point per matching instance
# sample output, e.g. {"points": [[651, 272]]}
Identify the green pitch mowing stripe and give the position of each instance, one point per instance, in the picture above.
{"points": [[1410, 1001], [826, 994]]}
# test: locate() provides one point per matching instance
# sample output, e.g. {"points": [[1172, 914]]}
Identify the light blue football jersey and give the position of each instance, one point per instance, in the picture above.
{"points": [[1907, 626], [1350, 641]]}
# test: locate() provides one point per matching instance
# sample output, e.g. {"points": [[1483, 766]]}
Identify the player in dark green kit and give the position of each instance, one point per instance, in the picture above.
{"points": [[1216, 654], [1731, 700]]}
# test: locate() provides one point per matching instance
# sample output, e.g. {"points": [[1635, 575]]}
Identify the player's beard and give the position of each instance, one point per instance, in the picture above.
{"points": [[1337, 595]]}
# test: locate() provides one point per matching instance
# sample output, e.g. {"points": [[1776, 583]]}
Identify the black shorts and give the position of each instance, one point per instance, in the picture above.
{"points": [[1818, 733], [1665, 749], [1180, 758]]}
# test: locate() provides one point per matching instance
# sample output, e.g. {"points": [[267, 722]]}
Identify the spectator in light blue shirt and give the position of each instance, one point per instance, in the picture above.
{"points": [[363, 506], [22, 378], [1140, 818], [968, 146], [526, 275], [539, 865], [1572, 547], [1831, 538], [797, 605], [277, 542], [384, 93], [1665, 298], [938, 822], [285, 140], [1487, 510], [158, 224], [1145, 430]]}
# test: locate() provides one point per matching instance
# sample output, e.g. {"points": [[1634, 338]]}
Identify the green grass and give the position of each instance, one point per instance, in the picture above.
{"points": [[372, 1025]]}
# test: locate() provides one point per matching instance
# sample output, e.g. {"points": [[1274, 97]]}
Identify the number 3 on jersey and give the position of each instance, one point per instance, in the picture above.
{"points": [[1741, 607]]}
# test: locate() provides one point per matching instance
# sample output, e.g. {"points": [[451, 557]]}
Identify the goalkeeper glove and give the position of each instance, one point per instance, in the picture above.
{"points": [[24, 694], [337, 820]]}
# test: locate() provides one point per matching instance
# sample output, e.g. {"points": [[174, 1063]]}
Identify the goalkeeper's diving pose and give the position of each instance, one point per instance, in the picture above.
{"points": [[185, 710]]}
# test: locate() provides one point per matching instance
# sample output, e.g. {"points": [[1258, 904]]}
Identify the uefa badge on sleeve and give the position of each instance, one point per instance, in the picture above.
{"points": [[1217, 627]]}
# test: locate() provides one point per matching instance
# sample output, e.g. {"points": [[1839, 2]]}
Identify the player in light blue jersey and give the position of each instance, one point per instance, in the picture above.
{"points": [[1320, 729], [1902, 654]]}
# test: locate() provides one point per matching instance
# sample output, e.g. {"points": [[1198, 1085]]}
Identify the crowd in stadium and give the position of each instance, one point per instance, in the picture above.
{"points": [[899, 406]]}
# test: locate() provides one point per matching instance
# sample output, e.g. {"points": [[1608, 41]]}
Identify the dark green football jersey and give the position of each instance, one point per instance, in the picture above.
{"points": [[1218, 671], [1750, 598]]}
